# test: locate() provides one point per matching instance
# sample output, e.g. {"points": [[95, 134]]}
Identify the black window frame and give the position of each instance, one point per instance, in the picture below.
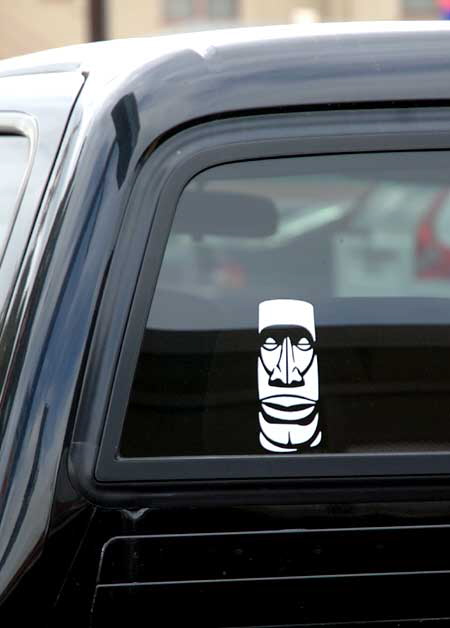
{"points": [[95, 465]]}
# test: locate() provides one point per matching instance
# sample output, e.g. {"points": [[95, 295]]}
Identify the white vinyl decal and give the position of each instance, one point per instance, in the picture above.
{"points": [[288, 380]]}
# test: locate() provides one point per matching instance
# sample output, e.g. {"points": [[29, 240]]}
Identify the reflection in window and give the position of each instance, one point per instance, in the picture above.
{"points": [[345, 233]]}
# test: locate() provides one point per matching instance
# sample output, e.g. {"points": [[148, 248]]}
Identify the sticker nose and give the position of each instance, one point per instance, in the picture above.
{"points": [[286, 373]]}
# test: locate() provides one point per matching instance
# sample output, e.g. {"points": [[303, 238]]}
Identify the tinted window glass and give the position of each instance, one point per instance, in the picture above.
{"points": [[303, 306], [13, 162]]}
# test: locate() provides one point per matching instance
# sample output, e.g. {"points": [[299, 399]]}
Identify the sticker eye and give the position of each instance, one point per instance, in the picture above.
{"points": [[303, 344], [270, 344]]}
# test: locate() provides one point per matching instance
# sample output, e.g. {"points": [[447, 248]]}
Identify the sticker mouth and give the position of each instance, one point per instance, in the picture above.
{"points": [[288, 407], [287, 434]]}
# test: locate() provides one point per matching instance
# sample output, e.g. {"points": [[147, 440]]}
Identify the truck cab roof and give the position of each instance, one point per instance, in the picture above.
{"points": [[317, 64]]}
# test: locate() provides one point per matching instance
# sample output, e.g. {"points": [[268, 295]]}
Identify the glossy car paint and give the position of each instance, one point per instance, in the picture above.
{"points": [[155, 87]]}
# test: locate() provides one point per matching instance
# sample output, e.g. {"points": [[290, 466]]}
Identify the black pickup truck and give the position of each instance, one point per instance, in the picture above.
{"points": [[225, 330]]}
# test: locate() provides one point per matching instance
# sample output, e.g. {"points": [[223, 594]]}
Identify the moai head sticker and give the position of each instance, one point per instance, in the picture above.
{"points": [[288, 381]]}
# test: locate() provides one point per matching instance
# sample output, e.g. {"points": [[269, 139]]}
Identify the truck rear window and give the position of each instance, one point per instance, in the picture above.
{"points": [[303, 306]]}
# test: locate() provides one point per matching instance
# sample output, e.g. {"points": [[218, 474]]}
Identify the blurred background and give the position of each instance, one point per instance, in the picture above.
{"points": [[31, 25]]}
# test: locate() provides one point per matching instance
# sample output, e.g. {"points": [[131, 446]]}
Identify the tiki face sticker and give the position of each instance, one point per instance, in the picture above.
{"points": [[288, 382]]}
